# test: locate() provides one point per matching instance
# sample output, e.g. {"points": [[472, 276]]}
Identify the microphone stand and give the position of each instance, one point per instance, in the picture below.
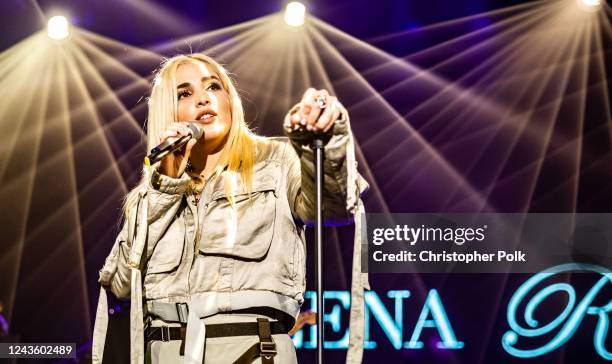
{"points": [[318, 150]]}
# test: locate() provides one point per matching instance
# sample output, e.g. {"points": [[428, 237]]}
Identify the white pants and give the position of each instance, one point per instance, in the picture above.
{"points": [[220, 349]]}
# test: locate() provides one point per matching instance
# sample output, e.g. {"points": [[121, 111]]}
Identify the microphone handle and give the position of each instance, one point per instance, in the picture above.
{"points": [[159, 152]]}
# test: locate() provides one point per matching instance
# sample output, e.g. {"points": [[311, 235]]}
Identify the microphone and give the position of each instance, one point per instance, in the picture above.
{"points": [[159, 152]]}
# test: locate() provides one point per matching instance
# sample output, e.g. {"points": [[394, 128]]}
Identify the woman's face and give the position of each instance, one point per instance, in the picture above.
{"points": [[201, 97]]}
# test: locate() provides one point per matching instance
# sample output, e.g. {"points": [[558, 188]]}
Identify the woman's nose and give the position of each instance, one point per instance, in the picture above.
{"points": [[203, 99]]}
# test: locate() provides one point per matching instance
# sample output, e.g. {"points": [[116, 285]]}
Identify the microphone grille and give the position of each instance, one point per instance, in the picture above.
{"points": [[196, 129]]}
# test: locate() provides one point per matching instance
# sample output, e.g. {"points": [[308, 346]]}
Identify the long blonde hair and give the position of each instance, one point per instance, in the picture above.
{"points": [[239, 153]]}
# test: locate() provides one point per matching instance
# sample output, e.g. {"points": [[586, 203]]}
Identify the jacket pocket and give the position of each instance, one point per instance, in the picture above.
{"points": [[168, 251], [245, 230]]}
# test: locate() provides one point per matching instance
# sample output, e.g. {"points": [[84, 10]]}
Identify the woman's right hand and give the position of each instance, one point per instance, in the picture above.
{"points": [[173, 165]]}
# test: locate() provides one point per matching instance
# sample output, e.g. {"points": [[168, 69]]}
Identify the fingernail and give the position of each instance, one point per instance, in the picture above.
{"points": [[309, 127], [303, 121]]}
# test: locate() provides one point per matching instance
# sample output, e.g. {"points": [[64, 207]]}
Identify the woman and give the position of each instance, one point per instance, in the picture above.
{"points": [[217, 228]]}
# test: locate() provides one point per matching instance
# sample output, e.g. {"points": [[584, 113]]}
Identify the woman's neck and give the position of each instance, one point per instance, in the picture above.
{"points": [[203, 161]]}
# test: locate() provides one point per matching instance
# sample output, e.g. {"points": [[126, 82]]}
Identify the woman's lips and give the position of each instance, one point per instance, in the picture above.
{"points": [[207, 119]]}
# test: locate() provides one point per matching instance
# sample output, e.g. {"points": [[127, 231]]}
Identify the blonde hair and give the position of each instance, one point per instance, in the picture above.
{"points": [[239, 153]]}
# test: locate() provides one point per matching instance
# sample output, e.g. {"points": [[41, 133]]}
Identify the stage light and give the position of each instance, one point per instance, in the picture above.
{"points": [[589, 5], [58, 27], [294, 14]]}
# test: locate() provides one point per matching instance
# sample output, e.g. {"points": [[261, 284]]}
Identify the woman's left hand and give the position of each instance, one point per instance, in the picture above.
{"points": [[317, 112]]}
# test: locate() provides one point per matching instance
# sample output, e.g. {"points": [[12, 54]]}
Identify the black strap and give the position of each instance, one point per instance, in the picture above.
{"points": [[167, 333], [164, 333], [264, 349], [243, 329], [267, 346], [271, 313], [183, 335]]}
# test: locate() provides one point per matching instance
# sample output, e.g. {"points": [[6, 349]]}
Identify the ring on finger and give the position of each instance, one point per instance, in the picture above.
{"points": [[321, 101]]}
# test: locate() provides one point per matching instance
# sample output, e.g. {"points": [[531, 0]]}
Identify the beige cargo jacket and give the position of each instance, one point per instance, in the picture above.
{"points": [[219, 258]]}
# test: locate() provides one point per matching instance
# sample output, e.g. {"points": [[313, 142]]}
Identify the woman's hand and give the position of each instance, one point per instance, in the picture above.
{"points": [[318, 111], [173, 165]]}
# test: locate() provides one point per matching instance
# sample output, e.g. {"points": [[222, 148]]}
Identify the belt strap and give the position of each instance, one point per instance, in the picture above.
{"points": [[264, 349], [167, 333], [243, 329], [263, 328], [164, 333]]}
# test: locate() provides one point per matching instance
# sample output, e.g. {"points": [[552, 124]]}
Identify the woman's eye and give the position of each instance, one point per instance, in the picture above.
{"points": [[215, 86], [183, 94]]}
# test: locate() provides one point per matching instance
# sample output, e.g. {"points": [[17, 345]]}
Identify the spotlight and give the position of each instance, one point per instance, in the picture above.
{"points": [[294, 14], [589, 5], [58, 27]]}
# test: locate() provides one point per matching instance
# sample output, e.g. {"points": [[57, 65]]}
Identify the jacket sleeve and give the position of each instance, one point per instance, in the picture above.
{"points": [[342, 183], [163, 196]]}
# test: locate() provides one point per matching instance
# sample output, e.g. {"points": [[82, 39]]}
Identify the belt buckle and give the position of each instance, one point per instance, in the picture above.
{"points": [[165, 333], [182, 311], [267, 347]]}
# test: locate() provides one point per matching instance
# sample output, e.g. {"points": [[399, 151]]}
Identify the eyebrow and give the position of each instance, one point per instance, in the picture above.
{"points": [[206, 78]]}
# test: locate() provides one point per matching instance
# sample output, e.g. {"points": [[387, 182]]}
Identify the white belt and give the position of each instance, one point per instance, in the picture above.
{"points": [[171, 312]]}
